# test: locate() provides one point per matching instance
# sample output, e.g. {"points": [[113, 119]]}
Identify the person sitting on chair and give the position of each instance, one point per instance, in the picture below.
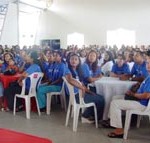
{"points": [[143, 96], [75, 71], [120, 68], [139, 71]]}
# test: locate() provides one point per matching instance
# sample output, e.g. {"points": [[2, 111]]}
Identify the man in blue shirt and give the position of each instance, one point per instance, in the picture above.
{"points": [[143, 96], [120, 68], [139, 71]]}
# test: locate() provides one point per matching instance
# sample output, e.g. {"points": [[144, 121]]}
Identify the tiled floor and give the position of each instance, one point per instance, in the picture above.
{"points": [[53, 127]]}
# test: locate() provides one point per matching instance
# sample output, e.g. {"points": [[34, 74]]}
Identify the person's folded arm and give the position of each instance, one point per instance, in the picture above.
{"points": [[145, 95], [92, 79], [112, 74]]}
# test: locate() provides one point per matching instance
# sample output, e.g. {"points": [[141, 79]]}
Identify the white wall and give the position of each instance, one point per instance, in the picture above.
{"points": [[91, 18], [94, 18], [9, 33], [52, 26]]}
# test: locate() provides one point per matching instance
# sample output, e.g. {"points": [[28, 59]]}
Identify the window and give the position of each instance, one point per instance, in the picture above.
{"points": [[75, 39], [120, 37], [28, 25]]}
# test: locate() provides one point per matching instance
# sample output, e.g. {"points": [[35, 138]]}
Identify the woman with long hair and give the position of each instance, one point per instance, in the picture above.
{"points": [[16, 87], [76, 70], [108, 63]]}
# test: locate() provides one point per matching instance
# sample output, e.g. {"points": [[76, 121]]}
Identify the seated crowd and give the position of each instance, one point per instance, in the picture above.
{"points": [[85, 65]]}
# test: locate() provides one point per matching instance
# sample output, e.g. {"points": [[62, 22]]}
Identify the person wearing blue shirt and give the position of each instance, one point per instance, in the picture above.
{"points": [[139, 71], [120, 67], [91, 70], [143, 96], [49, 67], [74, 65], [10, 92], [139, 68], [7, 56], [56, 71]]}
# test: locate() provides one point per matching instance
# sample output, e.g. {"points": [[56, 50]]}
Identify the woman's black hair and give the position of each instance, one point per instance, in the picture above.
{"points": [[11, 55], [122, 56], [94, 66], [148, 53], [79, 69], [111, 58], [34, 56], [60, 53]]}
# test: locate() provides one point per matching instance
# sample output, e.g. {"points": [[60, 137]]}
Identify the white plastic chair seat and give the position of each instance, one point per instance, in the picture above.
{"points": [[77, 106], [35, 80], [49, 97], [137, 112]]}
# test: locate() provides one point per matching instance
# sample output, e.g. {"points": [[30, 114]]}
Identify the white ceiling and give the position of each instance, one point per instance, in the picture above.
{"points": [[97, 12]]}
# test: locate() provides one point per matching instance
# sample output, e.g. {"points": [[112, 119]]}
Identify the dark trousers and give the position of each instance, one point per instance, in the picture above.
{"points": [[9, 94], [99, 102]]}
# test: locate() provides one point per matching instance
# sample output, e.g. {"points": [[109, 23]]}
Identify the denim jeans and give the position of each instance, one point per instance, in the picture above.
{"points": [[99, 102]]}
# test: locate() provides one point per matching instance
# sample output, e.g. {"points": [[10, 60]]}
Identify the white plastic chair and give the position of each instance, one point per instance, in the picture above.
{"points": [[137, 112], [77, 106], [62, 98], [35, 80]]}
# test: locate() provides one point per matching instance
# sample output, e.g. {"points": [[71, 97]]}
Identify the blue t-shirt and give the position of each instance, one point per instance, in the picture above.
{"points": [[4, 66], [145, 87], [31, 69], [124, 69], [45, 65], [19, 60], [59, 71], [96, 72], [76, 90], [87, 72], [49, 71], [139, 70]]}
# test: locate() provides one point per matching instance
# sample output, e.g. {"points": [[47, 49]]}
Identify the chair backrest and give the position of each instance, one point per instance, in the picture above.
{"points": [[35, 80], [72, 94]]}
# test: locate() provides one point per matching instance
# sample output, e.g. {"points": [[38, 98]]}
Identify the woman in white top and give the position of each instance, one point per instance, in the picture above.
{"points": [[108, 63]]}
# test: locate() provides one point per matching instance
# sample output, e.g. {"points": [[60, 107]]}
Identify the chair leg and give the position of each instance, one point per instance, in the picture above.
{"points": [[61, 101], [64, 101], [96, 120], [14, 111], [72, 112], [48, 106], [27, 103], [138, 121], [127, 124], [37, 105], [68, 114], [77, 118]]}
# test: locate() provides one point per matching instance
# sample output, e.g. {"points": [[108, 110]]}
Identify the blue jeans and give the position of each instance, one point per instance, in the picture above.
{"points": [[41, 93], [99, 102]]}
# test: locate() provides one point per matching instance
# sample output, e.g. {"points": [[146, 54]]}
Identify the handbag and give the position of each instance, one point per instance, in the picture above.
{"points": [[134, 89]]}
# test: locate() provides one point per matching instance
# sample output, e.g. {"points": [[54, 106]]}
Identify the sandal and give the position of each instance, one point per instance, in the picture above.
{"points": [[114, 135]]}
